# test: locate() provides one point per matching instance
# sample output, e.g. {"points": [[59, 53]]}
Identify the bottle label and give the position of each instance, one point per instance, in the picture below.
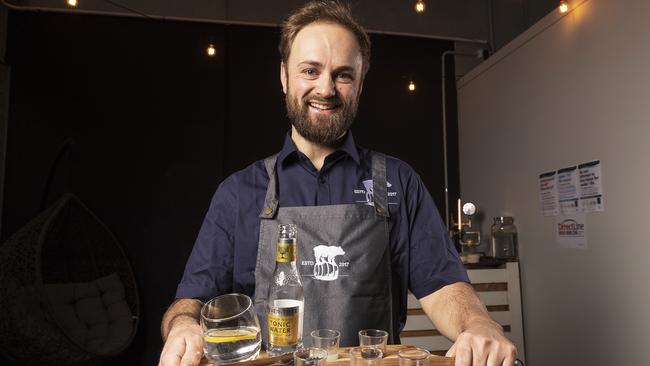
{"points": [[285, 251], [283, 325]]}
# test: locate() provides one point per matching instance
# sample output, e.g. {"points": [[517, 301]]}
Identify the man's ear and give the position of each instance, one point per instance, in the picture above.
{"points": [[283, 77]]}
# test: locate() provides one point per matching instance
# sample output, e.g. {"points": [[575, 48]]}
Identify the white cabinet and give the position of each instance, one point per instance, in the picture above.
{"points": [[500, 291]]}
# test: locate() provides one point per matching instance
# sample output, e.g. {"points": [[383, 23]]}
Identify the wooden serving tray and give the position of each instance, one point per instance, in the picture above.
{"points": [[390, 358]]}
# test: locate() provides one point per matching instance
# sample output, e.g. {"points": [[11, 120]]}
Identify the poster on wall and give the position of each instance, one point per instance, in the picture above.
{"points": [[591, 188], [548, 193], [571, 231], [567, 189]]}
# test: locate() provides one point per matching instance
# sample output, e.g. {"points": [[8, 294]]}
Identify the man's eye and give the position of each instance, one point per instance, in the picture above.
{"points": [[309, 72], [344, 77]]}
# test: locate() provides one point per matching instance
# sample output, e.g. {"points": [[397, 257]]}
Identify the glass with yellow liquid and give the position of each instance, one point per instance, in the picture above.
{"points": [[231, 330]]}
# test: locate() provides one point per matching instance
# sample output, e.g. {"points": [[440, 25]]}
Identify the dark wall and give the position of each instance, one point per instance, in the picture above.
{"points": [[154, 125]]}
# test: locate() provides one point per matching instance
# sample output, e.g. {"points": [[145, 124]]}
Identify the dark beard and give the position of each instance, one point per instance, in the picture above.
{"points": [[324, 130]]}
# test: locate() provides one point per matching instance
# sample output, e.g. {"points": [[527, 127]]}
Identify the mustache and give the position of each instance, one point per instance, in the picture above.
{"points": [[333, 100]]}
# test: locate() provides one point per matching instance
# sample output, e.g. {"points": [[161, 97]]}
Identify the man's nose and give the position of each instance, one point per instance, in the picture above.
{"points": [[326, 86]]}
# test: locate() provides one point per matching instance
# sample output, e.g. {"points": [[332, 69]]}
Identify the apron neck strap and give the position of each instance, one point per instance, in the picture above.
{"points": [[379, 186], [271, 200]]}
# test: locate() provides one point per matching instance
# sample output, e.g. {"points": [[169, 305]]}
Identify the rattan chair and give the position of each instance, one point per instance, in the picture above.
{"points": [[65, 244]]}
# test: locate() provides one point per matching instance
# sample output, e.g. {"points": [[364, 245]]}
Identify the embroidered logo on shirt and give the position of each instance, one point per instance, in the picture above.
{"points": [[369, 198], [325, 265]]}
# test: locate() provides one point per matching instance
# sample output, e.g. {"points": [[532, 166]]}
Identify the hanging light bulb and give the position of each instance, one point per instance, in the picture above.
{"points": [[419, 7], [72, 3], [564, 6], [411, 86], [211, 51]]}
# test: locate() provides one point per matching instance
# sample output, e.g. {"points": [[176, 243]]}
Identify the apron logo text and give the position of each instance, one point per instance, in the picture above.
{"points": [[369, 198]]}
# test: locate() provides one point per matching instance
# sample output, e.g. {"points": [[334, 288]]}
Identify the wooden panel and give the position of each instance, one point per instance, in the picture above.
{"points": [[488, 298], [435, 343], [422, 322], [489, 308], [493, 298], [490, 287], [430, 332], [487, 275], [514, 293], [428, 343]]}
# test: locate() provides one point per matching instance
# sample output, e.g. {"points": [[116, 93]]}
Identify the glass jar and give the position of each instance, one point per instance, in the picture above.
{"points": [[504, 238]]}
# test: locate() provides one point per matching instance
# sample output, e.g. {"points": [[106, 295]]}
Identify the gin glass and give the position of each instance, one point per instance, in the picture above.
{"points": [[231, 330], [374, 338], [413, 357], [327, 339]]}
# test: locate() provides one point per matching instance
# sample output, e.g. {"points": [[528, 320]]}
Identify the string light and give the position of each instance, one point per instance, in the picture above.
{"points": [[564, 7], [211, 51], [411, 86], [72, 3], [419, 7]]}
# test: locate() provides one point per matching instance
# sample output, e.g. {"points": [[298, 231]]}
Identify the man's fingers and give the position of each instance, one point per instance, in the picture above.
{"points": [[172, 354], [452, 351], [509, 361], [193, 354], [463, 354], [496, 360], [480, 355], [510, 356]]}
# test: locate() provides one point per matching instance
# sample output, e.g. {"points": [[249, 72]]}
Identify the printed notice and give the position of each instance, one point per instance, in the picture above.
{"points": [[548, 193], [567, 189], [571, 231], [591, 188]]}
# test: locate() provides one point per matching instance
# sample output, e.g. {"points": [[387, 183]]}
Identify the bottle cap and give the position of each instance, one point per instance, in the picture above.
{"points": [[504, 219]]}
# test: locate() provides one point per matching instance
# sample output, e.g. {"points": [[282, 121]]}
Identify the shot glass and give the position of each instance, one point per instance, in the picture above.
{"points": [[310, 357], [365, 356], [373, 338], [413, 357], [328, 340]]}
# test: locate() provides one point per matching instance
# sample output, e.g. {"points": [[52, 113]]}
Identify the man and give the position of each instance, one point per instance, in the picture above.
{"points": [[370, 212]]}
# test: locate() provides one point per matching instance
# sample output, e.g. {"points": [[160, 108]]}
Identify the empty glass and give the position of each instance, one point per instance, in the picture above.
{"points": [[373, 338], [328, 340], [231, 330], [310, 357], [413, 357], [365, 356]]}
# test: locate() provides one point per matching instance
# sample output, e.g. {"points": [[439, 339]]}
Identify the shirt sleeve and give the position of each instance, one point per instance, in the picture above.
{"points": [[433, 260], [209, 269]]}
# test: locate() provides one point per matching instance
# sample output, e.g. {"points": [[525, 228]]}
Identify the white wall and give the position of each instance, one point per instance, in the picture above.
{"points": [[569, 90]]}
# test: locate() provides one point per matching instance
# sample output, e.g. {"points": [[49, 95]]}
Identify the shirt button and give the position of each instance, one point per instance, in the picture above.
{"points": [[321, 180]]}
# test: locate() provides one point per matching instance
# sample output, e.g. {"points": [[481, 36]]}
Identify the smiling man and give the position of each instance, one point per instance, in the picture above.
{"points": [[361, 213]]}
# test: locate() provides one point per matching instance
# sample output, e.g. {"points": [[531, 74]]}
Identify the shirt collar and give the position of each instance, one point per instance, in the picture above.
{"points": [[348, 146]]}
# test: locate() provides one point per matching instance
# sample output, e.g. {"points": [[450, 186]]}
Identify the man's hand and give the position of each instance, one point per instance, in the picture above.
{"points": [[184, 344], [483, 343], [459, 315], [182, 334]]}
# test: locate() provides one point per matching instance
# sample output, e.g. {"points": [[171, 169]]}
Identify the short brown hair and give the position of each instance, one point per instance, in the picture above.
{"points": [[328, 11]]}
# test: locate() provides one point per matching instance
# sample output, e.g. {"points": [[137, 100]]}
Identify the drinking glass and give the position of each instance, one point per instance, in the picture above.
{"points": [[231, 330], [312, 356], [365, 356], [413, 357], [373, 338], [327, 339]]}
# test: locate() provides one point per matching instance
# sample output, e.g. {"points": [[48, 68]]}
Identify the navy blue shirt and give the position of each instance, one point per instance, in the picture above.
{"points": [[223, 258]]}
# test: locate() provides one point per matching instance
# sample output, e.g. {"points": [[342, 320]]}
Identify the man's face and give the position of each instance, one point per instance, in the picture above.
{"points": [[322, 81]]}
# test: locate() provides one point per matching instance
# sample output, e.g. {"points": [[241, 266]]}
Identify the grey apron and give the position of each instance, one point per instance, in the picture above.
{"points": [[343, 258]]}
